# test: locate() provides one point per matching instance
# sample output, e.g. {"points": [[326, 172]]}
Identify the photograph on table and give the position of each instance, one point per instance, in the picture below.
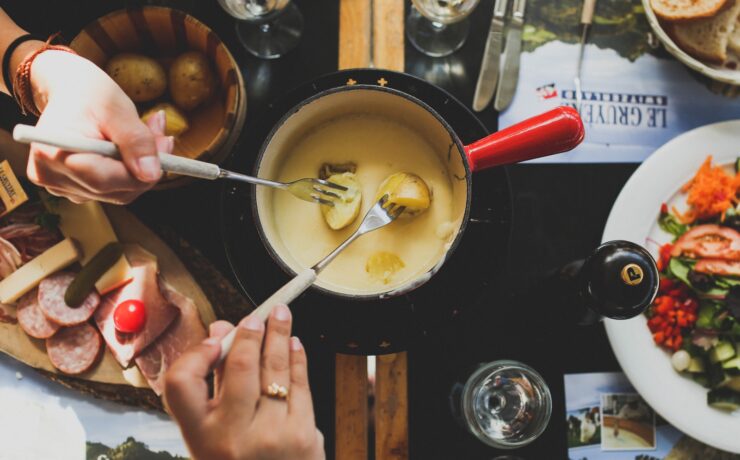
{"points": [[584, 426], [627, 422]]}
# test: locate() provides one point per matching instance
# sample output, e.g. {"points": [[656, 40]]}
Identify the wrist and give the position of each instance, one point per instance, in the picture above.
{"points": [[48, 70]]}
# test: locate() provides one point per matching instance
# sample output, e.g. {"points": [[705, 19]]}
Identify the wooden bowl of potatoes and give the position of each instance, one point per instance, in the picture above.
{"points": [[163, 58]]}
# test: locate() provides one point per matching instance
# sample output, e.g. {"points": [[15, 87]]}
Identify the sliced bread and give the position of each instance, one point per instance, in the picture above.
{"points": [[682, 10], [707, 39], [734, 43]]}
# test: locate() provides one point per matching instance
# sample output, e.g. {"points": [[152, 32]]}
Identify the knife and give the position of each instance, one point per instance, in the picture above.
{"points": [[489, 67], [510, 71], [587, 15]]}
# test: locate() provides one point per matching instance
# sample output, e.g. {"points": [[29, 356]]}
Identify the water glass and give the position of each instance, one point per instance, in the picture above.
{"points": [[439, 27], [267, 28], [505, 404]]}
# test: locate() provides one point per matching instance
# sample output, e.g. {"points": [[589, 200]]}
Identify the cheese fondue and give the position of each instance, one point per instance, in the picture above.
{"points": [[379, 147]]}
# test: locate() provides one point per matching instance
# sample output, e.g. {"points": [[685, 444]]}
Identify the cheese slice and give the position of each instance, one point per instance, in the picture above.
{"points": [[30, 275], [88, 225]]}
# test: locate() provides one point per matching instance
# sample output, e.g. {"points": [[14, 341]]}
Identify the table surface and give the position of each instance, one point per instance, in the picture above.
{"points": [[559, 214]]}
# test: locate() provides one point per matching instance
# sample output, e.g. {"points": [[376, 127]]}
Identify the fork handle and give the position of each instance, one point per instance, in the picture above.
{"points": [[74, 143], [286, 294]]}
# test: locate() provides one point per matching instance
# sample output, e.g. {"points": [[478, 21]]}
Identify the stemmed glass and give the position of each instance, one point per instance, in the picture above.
{"points": [[439, 27], [505, 404], [267, 28]]}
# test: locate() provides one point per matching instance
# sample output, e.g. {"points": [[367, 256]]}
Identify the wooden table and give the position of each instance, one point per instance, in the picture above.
{"points": [[371, 35]]}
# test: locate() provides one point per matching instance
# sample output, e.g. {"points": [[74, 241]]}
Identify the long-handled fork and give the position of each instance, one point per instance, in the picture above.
{"points": [[380, 215], [308, 189]]}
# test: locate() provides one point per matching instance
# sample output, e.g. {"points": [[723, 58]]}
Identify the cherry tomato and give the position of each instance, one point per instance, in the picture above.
{"points": [[129, 316]]}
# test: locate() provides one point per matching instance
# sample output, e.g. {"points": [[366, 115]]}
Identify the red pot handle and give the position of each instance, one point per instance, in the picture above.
{"points": [[558, 130]]}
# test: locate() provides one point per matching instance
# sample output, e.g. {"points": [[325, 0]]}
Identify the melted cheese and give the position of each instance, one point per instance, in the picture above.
{"points": [[380, 148]]}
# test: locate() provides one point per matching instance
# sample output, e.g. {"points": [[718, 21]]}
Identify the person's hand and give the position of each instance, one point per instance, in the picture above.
{"points": [[239, 422], [73, 94]]}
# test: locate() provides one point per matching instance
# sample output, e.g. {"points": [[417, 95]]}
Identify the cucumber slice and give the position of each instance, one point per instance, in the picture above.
{"points": [[716, 375], [722, 352], [724, 398], [732, 366], [696, 366], [701, 379], [733, 383], [704, 317]]}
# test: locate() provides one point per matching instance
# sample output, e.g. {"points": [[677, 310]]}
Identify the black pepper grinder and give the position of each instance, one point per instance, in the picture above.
{"points": [[619, 280]]}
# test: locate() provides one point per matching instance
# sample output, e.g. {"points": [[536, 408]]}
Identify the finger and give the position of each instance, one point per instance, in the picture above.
{"points": [[185, 386], [121, 124], [240, 389], [157, 123], [218, 329], [77, 199], [90, 172], [276, 355], [299, 403]]}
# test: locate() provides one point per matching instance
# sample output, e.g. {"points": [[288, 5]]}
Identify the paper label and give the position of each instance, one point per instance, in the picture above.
{"points": [[12, 194]]}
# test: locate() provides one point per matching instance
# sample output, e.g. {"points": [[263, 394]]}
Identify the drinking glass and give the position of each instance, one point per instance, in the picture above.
{"points": [[505, 404], [267, 28], [439, 27]]}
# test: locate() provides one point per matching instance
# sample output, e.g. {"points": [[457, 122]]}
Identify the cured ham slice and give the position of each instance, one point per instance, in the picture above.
{"points": [[144, 286], [718, 267], [186, 331], [709, 241]]}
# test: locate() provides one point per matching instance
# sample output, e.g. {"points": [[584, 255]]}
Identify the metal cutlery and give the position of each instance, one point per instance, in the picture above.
{"points": [[510, 70], [309, 189], [587, 15], [489, 68], [380, 215]]}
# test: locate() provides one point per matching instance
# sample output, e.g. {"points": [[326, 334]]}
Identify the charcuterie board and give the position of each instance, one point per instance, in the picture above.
{"points": [[107, 371]]}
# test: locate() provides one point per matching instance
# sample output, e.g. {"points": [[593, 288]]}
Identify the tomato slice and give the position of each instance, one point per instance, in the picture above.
{"points": [[709, 241], [130, 316]]}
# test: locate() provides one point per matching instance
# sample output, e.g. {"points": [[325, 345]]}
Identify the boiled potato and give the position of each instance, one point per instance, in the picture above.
{"points": [[140, 77], [346, 209], [175, 123], [383, 265], [191, 80], [406, 189]]}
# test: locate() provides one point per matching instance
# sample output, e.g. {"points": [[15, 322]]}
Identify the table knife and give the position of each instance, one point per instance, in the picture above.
{"points": [[587, 15], [489, 67], [512, 51]]}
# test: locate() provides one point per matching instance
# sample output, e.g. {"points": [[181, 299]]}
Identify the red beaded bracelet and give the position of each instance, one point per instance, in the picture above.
{"points": [[22, 90]]}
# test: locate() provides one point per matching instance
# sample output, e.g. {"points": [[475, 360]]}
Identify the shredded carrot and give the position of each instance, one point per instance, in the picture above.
{"points": [[711, 192]]}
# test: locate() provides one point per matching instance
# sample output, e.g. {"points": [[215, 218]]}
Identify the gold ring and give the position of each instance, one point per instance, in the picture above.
{"points": [[276, 391]]}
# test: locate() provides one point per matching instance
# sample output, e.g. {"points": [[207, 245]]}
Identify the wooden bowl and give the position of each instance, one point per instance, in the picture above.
{"points": [[164, 33]]}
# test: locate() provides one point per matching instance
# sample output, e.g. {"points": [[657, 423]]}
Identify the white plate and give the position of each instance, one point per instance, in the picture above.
{"points": [[716, 72], [679, 400]]}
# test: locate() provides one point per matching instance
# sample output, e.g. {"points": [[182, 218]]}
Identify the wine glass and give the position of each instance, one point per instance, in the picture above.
{"points": [[439, 27], [267, 28], [505, 404]]}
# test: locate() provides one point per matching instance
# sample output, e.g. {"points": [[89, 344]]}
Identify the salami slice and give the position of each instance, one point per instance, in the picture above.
{"points": [[51, 301], [75, 349], [31, 319]]}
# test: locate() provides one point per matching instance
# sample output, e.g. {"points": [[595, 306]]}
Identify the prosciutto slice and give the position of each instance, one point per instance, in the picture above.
{"points": [[144, 286], [186, 331]]}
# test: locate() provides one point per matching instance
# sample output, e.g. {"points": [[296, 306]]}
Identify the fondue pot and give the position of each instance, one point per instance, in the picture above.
{"points": [[383, 322], [552, 132]]}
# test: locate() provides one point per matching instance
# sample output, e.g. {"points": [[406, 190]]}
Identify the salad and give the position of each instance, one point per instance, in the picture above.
{"points": [[696, 314]]}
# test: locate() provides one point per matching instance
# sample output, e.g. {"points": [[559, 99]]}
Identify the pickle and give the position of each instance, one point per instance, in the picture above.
{"points": [[85, 280], [347, 208], [406, 189]]}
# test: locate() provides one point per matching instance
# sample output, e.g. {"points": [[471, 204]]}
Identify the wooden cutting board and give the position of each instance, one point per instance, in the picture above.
{"points": [[129, 229]]}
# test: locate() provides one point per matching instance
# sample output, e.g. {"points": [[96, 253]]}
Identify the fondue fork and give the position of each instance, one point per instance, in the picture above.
{"points": [[308, 189], [380, 215]]}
